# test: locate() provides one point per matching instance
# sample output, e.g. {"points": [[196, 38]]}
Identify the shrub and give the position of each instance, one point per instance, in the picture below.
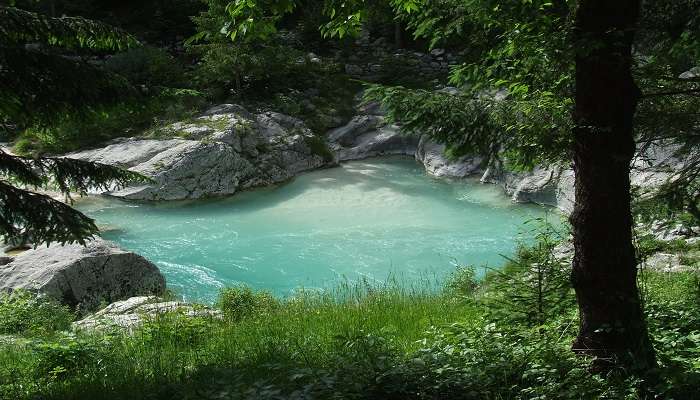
{"points": [[535, 286], [148, 66], [242, 302], [672, 306], [24, 313], [174, 329], [489, 361], [462, 282], [319, 147], [67, 357], [74, 132], [251, 71]]}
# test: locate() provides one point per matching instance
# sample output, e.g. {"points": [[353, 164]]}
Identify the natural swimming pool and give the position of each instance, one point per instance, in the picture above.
{"points": [[366, 220]]}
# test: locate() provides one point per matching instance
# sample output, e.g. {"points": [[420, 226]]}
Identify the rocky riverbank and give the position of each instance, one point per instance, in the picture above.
{"points": [[223, 151], [228, 149]]}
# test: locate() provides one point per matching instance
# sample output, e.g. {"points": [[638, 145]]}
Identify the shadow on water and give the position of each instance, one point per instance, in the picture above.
{"points": [[396, 174]]}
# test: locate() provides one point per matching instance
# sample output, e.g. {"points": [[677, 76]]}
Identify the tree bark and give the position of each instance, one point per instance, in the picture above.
{"points": [[398, 35], [612, 326]]}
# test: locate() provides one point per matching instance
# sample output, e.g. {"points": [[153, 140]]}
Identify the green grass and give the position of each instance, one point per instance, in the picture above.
{"points": [[356, 341], [309, 329], [22, 313]]}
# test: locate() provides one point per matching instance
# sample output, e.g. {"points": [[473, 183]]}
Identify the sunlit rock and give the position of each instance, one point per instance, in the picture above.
{"points": [[222, 151], [82, 276]]}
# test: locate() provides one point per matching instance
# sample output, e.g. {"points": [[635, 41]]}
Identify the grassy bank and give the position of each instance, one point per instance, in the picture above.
{"points": [[356, 342]]}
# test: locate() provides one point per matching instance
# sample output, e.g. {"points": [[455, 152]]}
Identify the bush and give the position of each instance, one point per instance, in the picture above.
{"points": [[490, 361], [534, 287], [242, 302], [23, 313], [148, 66], [67, 357], [462, 282], [672, 306], [74, 132], [174, 329], [258, 71], [320, 148]]}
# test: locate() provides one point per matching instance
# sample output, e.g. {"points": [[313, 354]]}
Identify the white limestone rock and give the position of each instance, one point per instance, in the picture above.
{"points": [[131, 313], [82, 276], [666, 262], [368, 136], [222, 151], [436, 163]]}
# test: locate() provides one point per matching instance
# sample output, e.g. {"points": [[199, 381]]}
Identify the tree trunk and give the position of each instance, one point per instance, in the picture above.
{"points": [[612, 326], [398, 35]]}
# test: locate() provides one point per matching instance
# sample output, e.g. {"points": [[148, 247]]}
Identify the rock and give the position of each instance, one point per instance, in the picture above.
{"points": [[227, 109], [180, 169], [83, 276], [538, 186], [131, 313], [450, 90], [313, 58], [367, 136], [222, 151], [693, 73], [554, 185], [371, 108], [545, 186], [437, 52], [564, 251], [436, 163], [347, 135], [566, 192], [354, 70], [666, 262], [663, 232], [693, 240]]}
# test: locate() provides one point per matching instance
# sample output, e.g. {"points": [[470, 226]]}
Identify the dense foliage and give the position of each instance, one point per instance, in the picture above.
{"points": [[39, 87], [23, 313]]}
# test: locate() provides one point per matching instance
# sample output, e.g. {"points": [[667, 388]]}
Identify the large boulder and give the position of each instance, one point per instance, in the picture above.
{"points": [[82, 276], [693, 73], [179, 169], [222, 151], [539, 186]]}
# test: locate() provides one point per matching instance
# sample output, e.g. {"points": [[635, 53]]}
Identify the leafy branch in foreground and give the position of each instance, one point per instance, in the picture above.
{"points": [[19, 27], [42, 80], [527, 130], [27, 216]]}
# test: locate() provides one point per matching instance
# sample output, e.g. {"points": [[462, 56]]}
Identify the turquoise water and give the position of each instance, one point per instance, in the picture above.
{"points": [[366, 220]]}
